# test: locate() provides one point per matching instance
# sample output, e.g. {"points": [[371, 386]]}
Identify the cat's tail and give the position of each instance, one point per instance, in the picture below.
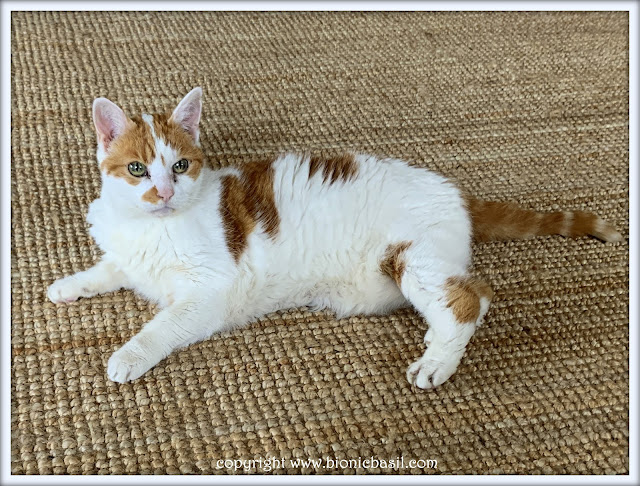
{"points": [[506, 221]]}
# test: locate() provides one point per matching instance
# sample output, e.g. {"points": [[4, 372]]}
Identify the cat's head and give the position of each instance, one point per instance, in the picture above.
{"points": [[150, 164]]}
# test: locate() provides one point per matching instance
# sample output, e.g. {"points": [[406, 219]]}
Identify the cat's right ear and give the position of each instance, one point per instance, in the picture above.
{"points": [[110, 121]]}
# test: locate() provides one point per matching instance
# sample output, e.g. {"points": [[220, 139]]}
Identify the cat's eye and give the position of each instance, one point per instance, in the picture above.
{"points": [[137, 169], [181, 166]]}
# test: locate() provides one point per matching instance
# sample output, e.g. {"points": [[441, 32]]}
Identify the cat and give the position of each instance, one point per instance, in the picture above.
{"points": [[216, 249]]}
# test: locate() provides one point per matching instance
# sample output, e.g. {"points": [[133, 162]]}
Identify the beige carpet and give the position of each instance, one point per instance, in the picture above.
{"points": [[530, 107]]}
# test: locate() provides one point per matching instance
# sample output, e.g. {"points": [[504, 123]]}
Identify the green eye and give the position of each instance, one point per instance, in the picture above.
{"points": [[137, 169], [181, 166]]}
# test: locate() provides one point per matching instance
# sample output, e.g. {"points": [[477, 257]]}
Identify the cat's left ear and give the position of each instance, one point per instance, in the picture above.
{"points": [[187, 113]]}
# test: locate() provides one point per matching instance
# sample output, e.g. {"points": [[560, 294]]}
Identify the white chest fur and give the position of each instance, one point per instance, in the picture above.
{"points": [[161, 257]]}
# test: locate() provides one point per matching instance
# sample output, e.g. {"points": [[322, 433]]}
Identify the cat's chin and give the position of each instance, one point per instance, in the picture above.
{"points": [[162, 212]]}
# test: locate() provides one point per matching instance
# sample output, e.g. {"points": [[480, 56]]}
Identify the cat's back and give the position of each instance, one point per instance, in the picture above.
{"points": [[359, 196]]}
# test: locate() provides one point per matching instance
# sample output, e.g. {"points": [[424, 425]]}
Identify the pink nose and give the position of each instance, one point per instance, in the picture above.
{"points": [[166, 193]]}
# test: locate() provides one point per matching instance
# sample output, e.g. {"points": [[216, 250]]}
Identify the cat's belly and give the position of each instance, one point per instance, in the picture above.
{"points": [[371, 293], [377, 295]]}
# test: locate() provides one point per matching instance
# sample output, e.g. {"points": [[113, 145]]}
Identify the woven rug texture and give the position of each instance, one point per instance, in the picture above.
{"points": [[530, 107]]}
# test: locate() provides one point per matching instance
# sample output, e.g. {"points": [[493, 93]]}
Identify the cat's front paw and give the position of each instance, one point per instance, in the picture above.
{"points": [[428, 373], [129, 363], [65, 290]]}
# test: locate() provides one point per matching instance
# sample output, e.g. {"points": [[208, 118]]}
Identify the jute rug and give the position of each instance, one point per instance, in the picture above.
{"points": [[529, 107]]}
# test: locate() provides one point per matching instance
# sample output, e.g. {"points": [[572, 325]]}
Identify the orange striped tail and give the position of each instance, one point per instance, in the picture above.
{"points": [[506, 221]]}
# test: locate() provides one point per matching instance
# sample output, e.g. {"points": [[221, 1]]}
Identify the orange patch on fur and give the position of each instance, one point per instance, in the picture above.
{"points": [[135, 144], [237, 221], [247, 201], [175, 136], [151, 195], [342, 168], [257, 178], [463, 297], [393, 263]]}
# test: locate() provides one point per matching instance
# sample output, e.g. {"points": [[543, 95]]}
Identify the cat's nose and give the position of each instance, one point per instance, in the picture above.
{"points": [[166, 193]]}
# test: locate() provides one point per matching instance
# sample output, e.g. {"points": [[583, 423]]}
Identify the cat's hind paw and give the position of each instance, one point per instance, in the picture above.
{"points": [[128, 364], [65, 290], [428, 373]]}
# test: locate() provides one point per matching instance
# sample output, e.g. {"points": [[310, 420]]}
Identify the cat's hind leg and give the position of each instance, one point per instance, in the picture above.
{"points": [[101, 278], [453, 309]]}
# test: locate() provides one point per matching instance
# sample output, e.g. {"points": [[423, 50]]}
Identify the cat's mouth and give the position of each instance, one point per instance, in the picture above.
{"points": [[163, 211]]}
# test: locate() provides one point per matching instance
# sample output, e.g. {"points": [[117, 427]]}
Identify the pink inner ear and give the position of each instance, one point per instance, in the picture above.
{"points": [[187, 113], [110, 121], [190, 119], [105, 133]]}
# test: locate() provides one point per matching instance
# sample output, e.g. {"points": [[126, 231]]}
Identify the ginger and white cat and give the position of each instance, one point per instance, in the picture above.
{"points": [[218, 248]]}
